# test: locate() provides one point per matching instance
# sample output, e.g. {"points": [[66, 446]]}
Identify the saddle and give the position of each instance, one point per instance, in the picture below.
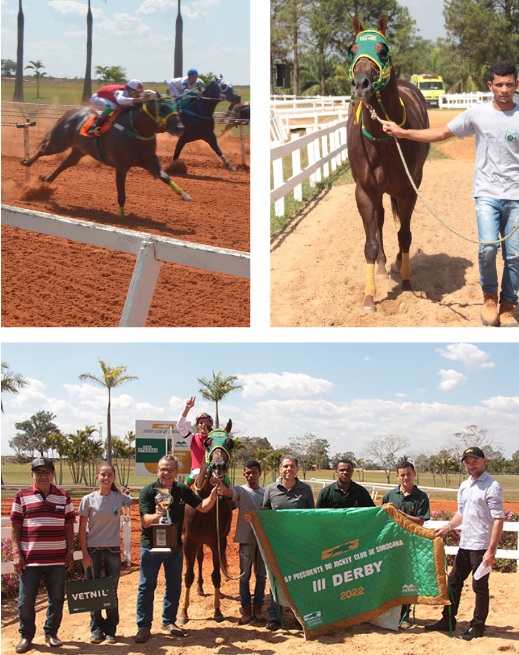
{"points": [[104, 127]]}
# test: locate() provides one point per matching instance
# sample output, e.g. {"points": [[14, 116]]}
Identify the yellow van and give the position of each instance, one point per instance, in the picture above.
{"points": [[431, 87]]}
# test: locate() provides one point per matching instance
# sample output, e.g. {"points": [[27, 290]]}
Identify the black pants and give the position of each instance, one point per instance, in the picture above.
{"points": [[466, 562]]}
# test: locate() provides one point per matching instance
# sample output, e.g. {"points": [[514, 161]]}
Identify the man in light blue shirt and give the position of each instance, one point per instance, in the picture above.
{"points": [[481, 514]]}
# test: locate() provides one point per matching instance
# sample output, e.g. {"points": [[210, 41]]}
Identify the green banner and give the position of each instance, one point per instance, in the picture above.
{"points": [[340, 567]]}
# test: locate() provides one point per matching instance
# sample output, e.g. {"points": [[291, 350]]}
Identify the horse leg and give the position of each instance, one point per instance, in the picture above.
{"points": [[178, 149], [402, 211], [381, 258], [189, 576], [120, 181], [216, 577], [70, 160], [153, 167], [370, 212], [200, 561], [211, 140]]}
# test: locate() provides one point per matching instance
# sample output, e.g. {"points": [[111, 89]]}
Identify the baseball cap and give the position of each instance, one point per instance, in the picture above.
{"points": [[473, 451], [42, 461]]}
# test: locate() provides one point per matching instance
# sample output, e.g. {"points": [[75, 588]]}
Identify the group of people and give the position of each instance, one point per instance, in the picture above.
{"points": [[117, 97], [43, 519]]}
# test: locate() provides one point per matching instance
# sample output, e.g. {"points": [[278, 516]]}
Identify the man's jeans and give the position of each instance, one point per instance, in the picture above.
{"points": [[498, 218], [54, 579], [150, 566], [110, 561], [250, 557]]}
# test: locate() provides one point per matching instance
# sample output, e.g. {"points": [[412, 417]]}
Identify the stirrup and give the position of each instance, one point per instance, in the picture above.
{"points": [[95, 131]]}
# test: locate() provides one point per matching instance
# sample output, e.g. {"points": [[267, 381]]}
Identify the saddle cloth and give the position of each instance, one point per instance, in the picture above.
{"points": [[104, 128]]}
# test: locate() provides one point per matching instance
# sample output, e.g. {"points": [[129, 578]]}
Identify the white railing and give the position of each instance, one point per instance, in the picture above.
{"points": [[301, 113], [508, 526], [150, 250], [325, 146], [463, 100], [8, 567]]}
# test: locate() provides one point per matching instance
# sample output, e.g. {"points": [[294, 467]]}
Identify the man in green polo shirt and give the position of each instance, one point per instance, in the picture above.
{"points": [[413, 503], [344, 492]]}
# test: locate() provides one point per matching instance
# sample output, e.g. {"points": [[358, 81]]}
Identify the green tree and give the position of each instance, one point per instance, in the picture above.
{"points": [[110, 74], [11, 382], [8, 68], [34, 431], [18, 83], [178, 64], [249, 446], [36, 66], [124, 456], [111, 378], [217, 388], [289, 24]]}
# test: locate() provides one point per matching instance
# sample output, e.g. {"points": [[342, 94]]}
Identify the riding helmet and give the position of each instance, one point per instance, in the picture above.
{"points": [[204, 415], [192, 71], [135, 85]]}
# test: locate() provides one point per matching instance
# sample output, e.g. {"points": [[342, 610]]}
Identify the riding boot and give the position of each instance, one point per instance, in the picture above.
{"points": [[246, 616], [95, 128], [506, 315], [489, 315], [257, 613]]}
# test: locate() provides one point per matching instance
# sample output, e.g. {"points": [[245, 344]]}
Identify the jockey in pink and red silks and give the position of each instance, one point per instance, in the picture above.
{"points": [[204, 425]]}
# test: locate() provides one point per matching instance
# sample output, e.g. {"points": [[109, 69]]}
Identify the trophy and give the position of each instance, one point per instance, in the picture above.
{"points": [[164, 532]]}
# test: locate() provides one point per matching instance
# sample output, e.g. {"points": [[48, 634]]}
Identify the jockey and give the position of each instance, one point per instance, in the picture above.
{"points": [[185, 87], [114, 97], [196, 442]]}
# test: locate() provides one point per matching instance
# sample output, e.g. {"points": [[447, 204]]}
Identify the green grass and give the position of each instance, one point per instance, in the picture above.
{"points": [[19, 474]]}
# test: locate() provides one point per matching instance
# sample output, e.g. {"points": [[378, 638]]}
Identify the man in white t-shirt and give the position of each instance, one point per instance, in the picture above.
{"points": [[496, 188]]}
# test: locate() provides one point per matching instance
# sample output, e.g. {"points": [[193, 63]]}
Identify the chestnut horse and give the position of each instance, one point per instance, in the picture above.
{"points": [[373, 155], [210, 529]]}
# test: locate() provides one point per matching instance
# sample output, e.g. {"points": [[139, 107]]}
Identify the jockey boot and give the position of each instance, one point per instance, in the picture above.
{"points": [[95, 128], [257, 612], [489, 315], [246, 616], [506, 315]]}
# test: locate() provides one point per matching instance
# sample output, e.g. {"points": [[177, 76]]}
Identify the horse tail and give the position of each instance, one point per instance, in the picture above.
{"points": [[394, 209]]}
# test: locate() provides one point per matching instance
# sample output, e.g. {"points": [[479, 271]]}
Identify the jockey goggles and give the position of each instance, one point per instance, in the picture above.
{"points": [[367, 40]]}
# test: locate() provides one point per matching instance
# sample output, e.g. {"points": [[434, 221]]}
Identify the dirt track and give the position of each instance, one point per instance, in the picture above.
{"points": [[53, 282], [318, 267]]}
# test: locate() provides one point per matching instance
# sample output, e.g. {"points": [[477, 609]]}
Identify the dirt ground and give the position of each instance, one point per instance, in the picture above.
{"points": [[318, 268], [228, 638], [51, 282]]}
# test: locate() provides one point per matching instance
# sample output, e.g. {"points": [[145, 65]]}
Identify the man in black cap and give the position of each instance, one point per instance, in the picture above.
{"points": [[481, 515], [42, 537]]}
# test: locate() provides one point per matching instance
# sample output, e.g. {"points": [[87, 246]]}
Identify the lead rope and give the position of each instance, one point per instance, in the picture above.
{"points": [[374, 116], [220, 551]]}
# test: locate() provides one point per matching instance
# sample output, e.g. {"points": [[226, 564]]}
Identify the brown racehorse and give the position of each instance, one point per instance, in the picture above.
{"points": [[209, 529], [130, 142], [374, 158]]}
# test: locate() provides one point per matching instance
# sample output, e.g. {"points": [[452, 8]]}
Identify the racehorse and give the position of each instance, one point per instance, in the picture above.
{"points": [[131, 141], [210, 528], [237, 114], [198, 120], [373, 155]]}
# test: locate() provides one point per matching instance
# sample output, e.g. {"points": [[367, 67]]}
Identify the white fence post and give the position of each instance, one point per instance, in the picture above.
{"points": [[142, 286], [296, 169]]}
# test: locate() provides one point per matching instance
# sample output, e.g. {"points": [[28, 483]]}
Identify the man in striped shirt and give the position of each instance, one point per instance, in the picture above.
{"points": [[42, 536]]}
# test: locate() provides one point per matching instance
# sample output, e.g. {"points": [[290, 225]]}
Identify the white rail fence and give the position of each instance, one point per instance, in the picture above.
{"points": [[301, 112], [326, 147], [150, 250], [8, 567], [463, 100]]}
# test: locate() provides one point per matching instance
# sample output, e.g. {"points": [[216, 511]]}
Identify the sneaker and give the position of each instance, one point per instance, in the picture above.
{"points": [[506, 315], [97, 638], [111, 639], [489, 315], [142, 636]]}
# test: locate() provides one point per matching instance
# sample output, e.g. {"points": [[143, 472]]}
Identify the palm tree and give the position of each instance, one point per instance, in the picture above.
{"points": [[87, 85], [11, 382], [111, 378], [36, 66], [18, 83], [178, 63], [216, 388]]}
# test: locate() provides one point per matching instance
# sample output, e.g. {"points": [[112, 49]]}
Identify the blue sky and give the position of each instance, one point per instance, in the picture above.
{"points": [[135, 34], [428, 15], [345, 393]]}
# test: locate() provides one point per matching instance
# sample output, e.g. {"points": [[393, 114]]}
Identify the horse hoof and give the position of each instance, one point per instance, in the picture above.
{"points": [[230, 167], [406, 285], [25, 162], [369, 304], [218, 617], [186, 196], [182, 620]]}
